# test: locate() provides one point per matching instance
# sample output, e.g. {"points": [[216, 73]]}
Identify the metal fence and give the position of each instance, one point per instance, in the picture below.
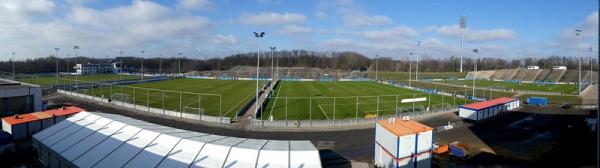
{"points": [[189, 105], [351, 110]]}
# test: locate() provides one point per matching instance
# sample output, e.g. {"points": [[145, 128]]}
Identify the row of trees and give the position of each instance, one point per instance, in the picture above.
{"points": [[295, 58]]}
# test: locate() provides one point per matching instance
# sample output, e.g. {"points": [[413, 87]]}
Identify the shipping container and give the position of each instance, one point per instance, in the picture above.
{"points": [[487, 109], [397, 141]]}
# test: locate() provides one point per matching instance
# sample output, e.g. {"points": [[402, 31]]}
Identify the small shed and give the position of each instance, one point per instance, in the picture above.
{"points": [[487, 109]]}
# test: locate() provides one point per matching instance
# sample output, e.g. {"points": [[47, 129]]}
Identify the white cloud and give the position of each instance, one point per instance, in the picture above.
{"points": [[271, 18], [474, 35], [224, 39], [196, 4], [363, 20], [98, 32], [391, 33], [295, 29]]}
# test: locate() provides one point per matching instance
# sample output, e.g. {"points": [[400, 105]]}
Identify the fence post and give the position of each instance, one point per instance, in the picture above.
{"points": [[413, 102], [220, 109], [134, 98], [333, 111], [454, 95], [163, 101], [101, 93], [148, 99], [180, 108], [356, 112], [199, 105], [377, 109], [310, 111], [111, 93], [286, 112], [429, 106], [443, 101], [396, 106]]}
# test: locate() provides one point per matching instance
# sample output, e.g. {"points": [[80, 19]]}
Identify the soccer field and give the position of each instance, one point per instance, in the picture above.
{"points": [[328, 100], [562, 88], [51, 80], [214, 97]]}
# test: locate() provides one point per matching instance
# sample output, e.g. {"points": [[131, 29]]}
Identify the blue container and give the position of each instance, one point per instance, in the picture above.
{"points": [[456, 151], [538, 101]]}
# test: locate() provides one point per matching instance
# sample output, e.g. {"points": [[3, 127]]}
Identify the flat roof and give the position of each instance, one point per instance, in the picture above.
{"points": [[68, 110], [22, 118], [107, 140], [487, 104], [403, 127]]}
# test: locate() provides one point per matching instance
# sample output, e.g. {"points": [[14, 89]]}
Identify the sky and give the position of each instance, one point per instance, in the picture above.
{"points": [[217, 28]]}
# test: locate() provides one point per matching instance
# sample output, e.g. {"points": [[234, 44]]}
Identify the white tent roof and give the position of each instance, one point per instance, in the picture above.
{"points": [[108, 140]]}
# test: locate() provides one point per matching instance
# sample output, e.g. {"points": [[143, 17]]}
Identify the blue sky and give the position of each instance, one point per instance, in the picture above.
{"points": [[211, 28]]}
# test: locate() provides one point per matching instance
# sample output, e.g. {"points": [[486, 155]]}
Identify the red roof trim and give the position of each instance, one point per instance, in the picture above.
{"points": [[487, 104]]}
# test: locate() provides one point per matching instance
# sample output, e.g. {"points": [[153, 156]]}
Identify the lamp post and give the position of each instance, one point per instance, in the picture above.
{"points": [[258, 35], [121, 74], [578, 33], [463, 25], [179, 64], [475, 52], [277, 69], [591, 66], [13, 64], [417, 70], [410, 68], [376, 67], [56, 62], [159, 64], [142, 67], [76, 48], [272, 50]]}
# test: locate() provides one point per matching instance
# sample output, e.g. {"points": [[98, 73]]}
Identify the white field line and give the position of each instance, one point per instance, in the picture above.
{"points": [[323, 112], [275, 102], [242, 101]]}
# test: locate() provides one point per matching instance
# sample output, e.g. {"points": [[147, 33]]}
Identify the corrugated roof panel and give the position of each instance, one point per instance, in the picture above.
{"points": [[274, 154], [244, 154], [128, 150], [304, 154], [51, 140], [59, 126], [182, 155], [106, 147], [92, 140], [154, 152], [215, 153], [79, 135]]}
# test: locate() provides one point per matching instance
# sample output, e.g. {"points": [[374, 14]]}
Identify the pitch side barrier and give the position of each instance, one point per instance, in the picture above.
{"points": [[186, 105]]}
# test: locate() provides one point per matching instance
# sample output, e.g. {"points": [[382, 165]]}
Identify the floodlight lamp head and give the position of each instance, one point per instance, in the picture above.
{"points": [[463, 22], [577, 32], [75, 47], [258, 35], [56, 49]]}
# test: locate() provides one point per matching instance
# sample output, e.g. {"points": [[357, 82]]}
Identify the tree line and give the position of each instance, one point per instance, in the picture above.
{"points": [[346, 61]]}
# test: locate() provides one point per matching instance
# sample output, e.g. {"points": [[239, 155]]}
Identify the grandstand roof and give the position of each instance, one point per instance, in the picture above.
{"points": [[107, 140], [487, 104]]}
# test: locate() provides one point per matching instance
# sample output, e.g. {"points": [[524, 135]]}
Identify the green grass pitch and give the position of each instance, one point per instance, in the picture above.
{"points": [[234, 94], [562, 88], [320, 105], [51, 80]]}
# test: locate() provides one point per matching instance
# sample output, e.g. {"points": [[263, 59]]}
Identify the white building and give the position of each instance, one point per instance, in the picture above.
{"points": [[86, 69], [107, 140], [19, 98], [559, 67], [487, 109]]}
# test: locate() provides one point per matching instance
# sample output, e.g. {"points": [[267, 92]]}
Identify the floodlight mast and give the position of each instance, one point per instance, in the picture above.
{"points": [[417, 70], [258, 35], [272, 74], [56, 62], [578, 33], [179, 64], [13, 64], [76, 48], [410, 68], [475, 51], [376, 67], [463, 26], [142, 67]]}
